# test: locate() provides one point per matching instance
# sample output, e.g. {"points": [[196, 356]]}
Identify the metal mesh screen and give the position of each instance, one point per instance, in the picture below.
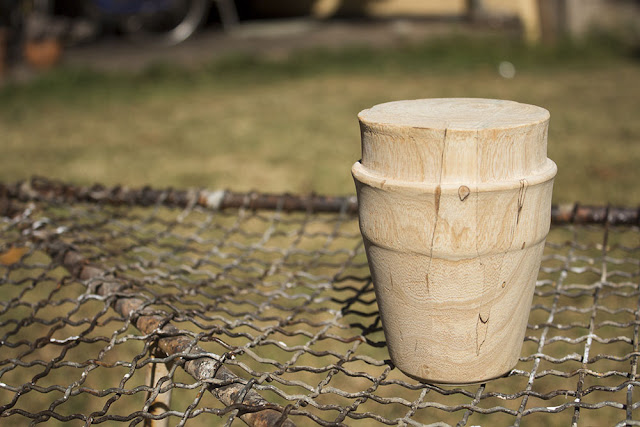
{"points": [[108, 307]]}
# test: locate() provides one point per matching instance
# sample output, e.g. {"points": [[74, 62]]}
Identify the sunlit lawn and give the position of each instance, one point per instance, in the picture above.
{"points": [[290, 124]]}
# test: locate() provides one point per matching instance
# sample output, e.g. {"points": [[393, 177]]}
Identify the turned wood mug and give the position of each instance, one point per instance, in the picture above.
{"points": [[454, 206]]}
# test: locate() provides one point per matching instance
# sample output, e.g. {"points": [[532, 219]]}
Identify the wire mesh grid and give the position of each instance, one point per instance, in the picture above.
{"points": [[183, 312]]}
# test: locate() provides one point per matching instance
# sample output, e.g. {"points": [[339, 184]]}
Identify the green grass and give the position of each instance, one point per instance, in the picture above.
{"points": [[289, 124]]}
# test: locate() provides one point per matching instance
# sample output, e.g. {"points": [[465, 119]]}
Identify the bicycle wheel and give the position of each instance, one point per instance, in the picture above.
{"points": [[166, 22]]}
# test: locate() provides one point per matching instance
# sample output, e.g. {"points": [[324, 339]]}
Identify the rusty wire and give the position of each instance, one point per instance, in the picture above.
{"points": [[48, 190], [269, 316]]}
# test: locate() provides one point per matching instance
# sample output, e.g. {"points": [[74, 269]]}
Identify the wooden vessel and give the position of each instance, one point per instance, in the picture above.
{"points": [[454, 204]]}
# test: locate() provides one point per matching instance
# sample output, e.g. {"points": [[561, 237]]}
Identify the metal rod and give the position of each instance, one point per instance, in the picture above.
{"points": [[42, 189], [228, 13]]}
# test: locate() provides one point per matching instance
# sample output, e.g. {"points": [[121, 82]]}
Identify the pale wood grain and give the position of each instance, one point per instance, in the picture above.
{"points": [[454, 205]]}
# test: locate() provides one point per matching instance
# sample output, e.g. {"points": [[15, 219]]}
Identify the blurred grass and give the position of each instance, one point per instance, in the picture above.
{"points": [[289, 123]]}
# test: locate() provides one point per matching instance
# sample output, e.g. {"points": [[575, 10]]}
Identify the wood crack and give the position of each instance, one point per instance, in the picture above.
{"points": [[436, 201]]}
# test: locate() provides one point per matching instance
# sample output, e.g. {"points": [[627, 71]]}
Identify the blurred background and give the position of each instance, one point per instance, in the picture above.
{"points": [[263, 94]]}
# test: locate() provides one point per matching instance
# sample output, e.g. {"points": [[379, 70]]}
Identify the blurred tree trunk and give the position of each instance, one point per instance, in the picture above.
{"points": [[474, 9], [553, 19]]}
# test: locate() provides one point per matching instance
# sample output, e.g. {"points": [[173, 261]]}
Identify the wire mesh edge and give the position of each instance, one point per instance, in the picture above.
{"points": [[160, 197], [44, 189], [233, 391]]}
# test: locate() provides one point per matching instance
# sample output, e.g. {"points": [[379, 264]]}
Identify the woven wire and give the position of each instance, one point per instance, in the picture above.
{"points": [[285, 303]]}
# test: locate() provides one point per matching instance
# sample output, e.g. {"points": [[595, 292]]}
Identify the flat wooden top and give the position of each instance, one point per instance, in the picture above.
{"points": [[463, 114]]}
